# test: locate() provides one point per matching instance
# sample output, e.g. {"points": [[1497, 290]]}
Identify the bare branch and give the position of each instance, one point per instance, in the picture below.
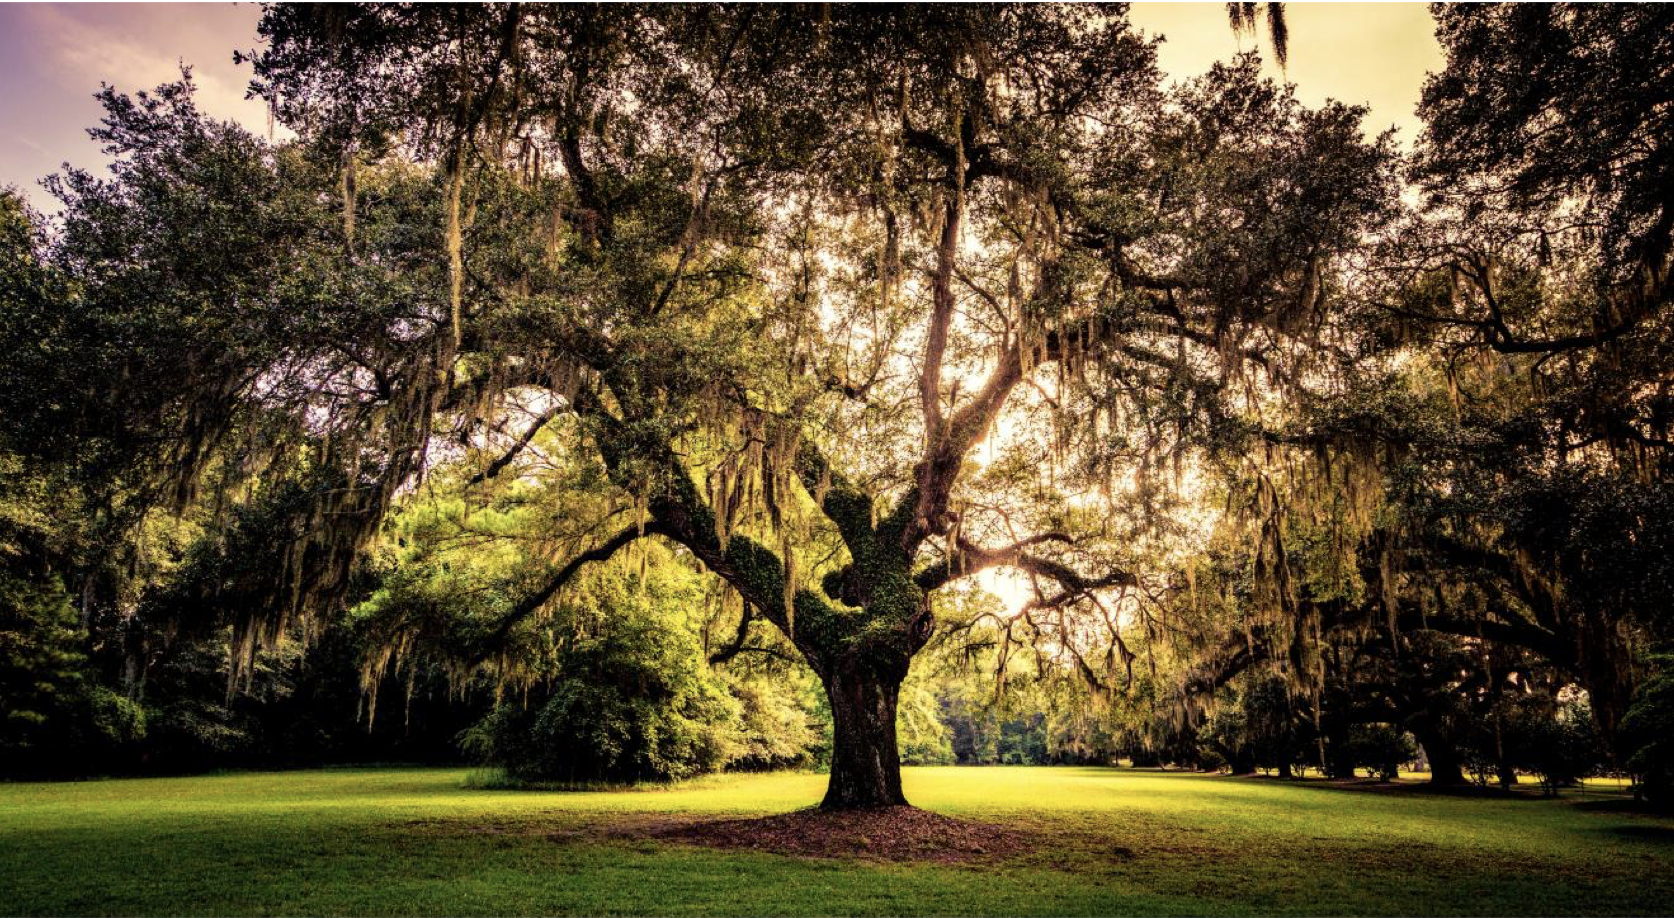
{"points": [[973, 558], [499, 465]]}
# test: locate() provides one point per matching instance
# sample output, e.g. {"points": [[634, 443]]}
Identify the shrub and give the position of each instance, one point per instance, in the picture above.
{"points": [[920, 735], [776, 727], [1379, 748], [1535, 734], [1647, 733], [635, 703], [1563, 749]]}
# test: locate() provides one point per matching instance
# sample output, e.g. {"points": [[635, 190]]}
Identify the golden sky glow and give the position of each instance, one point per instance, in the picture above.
{"points": [[54, 56], [1372, 54]]}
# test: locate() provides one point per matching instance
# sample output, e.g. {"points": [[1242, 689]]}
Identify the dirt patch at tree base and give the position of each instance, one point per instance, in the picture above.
{"points": [[896, 833]]}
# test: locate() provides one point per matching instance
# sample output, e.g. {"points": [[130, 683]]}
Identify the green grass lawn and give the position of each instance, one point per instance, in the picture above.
{"points": [[1114, 841]]}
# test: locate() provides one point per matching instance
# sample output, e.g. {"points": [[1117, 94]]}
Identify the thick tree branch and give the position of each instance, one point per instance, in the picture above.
{"points": [[941, 320], [677, 512], [923, 511]]}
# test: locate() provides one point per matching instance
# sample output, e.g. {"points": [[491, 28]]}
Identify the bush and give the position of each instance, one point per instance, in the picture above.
{"points": [[1647, 733], [1210, 760], [1379, 748], [1535, 734], [919, 732], [1563, 749], [777, 729], [635, 703]]}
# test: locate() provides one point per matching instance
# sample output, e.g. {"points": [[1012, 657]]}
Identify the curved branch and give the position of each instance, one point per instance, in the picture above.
{"points": [[973, 558], [736, 646], [499, 465], [677, 511], [534, 601], [841, 500], [941, 320], [923, 511]]}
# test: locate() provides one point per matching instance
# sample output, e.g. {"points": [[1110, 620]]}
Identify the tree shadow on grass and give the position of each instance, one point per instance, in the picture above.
{"points": [[893, 834], [1626, 805], [1644, 832]]}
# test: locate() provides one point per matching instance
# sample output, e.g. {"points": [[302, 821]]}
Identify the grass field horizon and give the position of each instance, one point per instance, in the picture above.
{"points": [[418, 841]]}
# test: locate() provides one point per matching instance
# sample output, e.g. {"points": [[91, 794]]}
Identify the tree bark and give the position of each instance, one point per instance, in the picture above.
{"points": [[1446, 765], [1607, 674], [865, 763]]}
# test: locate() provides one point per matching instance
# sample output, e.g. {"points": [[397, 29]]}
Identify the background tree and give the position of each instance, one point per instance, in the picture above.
{"points": [[1499, 479]]}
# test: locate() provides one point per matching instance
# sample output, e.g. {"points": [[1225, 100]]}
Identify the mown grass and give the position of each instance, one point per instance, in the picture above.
{"points": [[418, 841]]}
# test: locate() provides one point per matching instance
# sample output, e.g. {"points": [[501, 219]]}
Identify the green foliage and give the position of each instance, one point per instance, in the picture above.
{"points": [[1608, 535], [634, 703], [1564, 749], [32, 305], [1557, 742], [1648, 732], [1379, 748], [921, 735], [1226, 740], [1558, 104], [54, 719], [629, 697], [1256, 723], [542, 294], [116, 719], [984, 732], [778, 726], [162, 288], [41, 663]]}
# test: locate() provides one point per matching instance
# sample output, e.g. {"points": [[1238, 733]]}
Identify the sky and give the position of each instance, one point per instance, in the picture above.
{"points": [[1373, 54], [53, 57]]}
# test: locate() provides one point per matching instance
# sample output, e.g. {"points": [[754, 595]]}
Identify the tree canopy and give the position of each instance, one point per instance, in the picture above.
{"points": [[814, 321]]}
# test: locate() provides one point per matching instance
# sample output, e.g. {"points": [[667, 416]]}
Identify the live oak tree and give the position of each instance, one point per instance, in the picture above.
{"points": [[788, 271], [837, 308], [1551, 215], [842, 306], [1539, 278], [1506, 457]]}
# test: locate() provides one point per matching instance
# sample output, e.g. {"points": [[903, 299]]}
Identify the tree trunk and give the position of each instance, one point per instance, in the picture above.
{"points": [[1446, 769], [1334, 753], [1607, 675], [1446, 766], [865, 764]]}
